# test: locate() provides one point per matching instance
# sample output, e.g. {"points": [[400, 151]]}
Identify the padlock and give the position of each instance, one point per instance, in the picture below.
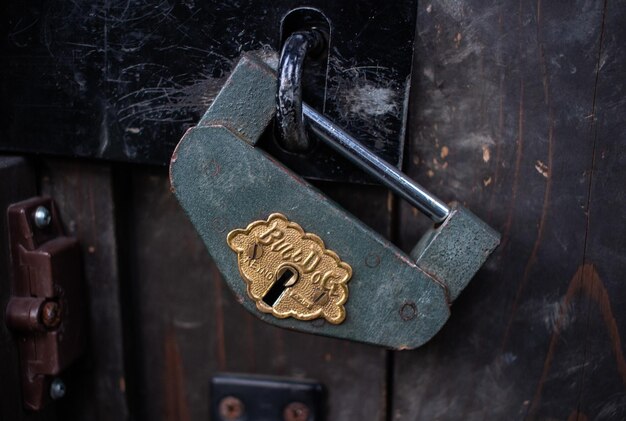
{"points": [[292, 256]]}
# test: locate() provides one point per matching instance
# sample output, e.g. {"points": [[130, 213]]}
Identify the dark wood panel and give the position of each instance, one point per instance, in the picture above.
{"points": [[600, 280], [189, 325], [504, 120], [84, 195]]}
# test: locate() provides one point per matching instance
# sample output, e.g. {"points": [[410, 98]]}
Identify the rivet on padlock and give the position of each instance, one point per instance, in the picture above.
{"points": [[292, 256]]}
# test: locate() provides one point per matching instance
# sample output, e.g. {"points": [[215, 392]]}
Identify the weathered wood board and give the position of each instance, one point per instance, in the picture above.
{"points": [[518, 111], [96, 386]]}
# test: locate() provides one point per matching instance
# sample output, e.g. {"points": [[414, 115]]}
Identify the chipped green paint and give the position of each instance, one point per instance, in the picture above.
{"points": [[223, 182]]}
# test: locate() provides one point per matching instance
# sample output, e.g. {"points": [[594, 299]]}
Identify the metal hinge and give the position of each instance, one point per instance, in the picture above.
{"points": [[46, 311]]}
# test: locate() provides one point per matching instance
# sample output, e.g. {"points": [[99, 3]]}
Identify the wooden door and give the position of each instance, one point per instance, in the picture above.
{"points": [[517, 111]]}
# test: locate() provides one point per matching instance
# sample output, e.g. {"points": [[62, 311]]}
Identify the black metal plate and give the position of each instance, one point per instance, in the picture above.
{"points": [[122, 80], [265, 398]]}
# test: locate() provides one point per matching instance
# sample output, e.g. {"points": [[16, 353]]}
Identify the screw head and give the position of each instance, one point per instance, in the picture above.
{"points": [[372, 260], [230, 408], [51, 314], [408, 311], [57, 389], [42, 217], [296, 411]]}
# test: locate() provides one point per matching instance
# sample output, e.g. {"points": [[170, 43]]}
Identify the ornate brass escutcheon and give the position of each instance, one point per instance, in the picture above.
{"points": [[289, 272]]}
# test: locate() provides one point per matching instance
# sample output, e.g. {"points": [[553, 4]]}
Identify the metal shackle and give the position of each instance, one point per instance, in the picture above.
{"points": [[292, 130]]}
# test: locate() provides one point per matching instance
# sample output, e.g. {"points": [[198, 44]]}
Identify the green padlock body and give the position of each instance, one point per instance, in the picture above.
{"points": [[454, 251], [223, 183]]}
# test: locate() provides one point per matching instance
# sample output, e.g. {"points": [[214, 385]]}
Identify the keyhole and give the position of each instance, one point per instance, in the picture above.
{"points": [[285, 277]]}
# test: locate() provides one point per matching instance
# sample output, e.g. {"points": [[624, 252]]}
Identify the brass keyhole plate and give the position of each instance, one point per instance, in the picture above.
{"points": [[289, 272]]}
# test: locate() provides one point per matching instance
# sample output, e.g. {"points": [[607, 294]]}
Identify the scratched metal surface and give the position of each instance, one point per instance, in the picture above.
{"points": [[123, 79]]}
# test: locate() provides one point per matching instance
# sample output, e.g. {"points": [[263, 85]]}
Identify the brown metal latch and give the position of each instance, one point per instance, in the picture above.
{"points": [[46, 310]]}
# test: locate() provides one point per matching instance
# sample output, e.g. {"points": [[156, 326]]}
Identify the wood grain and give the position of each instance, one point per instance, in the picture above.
{"points": [[84, 195], [527, 100]]}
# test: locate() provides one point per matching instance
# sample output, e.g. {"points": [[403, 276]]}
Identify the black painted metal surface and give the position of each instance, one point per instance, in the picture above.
{"points": [[265, 398], [122, 80]]}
